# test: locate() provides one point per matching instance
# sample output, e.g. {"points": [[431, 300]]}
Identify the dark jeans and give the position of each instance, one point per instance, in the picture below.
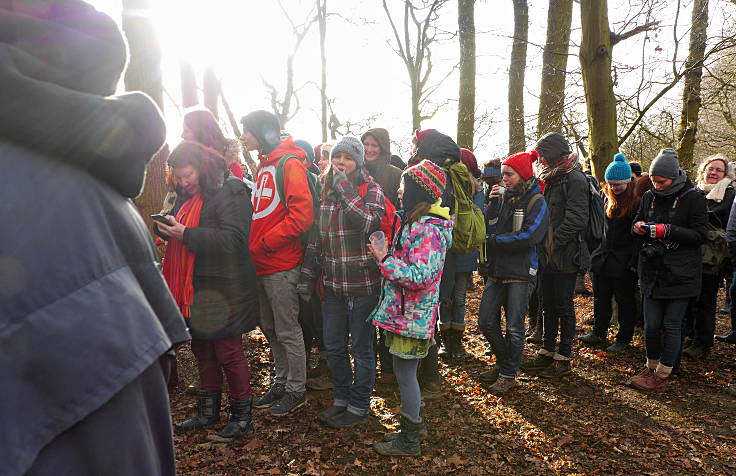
{"points": [[310, 320], [345, 319], [514, 298], [701, 318], [216, 356], [663, 328], [558, 291], [623, 288]]}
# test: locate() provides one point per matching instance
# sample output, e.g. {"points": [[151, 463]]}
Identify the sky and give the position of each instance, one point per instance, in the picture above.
{"points": [[248, 41]]}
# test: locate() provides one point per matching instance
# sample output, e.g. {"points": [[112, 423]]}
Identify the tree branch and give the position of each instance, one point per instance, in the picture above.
{"points": [[618, 37]]}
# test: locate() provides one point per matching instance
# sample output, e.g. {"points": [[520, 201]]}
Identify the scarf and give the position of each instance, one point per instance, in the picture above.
{"points": [[178, 266], [561, 167], [676, 185], [716, 191]]}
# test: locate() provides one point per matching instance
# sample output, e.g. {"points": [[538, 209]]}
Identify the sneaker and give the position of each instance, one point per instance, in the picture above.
{"points": [[651, 381], [347, 419], [321, 383], [431, 391], [591, 338], [502, 386], [616, 347], [489, 376], [559, 368], [537, 363], [288, 403], [644, 373], [273, 395], [327, 415]]}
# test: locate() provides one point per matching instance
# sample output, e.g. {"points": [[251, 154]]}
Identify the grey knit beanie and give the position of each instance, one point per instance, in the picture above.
{"points": [[351, 146], [553, 147], [665, 164]]}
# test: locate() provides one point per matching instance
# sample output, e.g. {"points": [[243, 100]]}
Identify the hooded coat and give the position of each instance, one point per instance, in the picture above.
{"points": [[383, 173], [84, 311]]}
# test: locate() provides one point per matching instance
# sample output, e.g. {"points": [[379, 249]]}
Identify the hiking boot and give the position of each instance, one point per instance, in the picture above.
{"points": [[537, 363], [696, 352], [729, 338], [651, 381], [327, 415], [536, 337], [240, 422], [642, 374], [591, 338], [431, 391], [502, 386], [447, 343], [458, 351], [320, 383], [288, 403], [346, 419], [273, 395], [559, 368], [208, 413], [408, 442], [489, 376], [616, 347]]}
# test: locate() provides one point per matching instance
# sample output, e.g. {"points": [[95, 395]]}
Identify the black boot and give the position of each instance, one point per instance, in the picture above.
{"points": [[208, 413], [408, 442], [447, 347], [240, 422], [458, 350]]}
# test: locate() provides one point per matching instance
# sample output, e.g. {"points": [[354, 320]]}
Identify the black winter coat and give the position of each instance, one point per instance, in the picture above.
{"points": [[674, 272], [225, 292], [617, 253], [565, 250]]}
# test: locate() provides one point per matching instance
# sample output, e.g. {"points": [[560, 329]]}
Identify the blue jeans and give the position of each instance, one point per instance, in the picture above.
{"points": [[558, 291], [343, 318], [453, 314], [663, 328], [514, 298]]}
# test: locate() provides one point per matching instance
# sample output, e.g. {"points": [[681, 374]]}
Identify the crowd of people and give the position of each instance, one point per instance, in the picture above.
{"points": [[342, 248]]}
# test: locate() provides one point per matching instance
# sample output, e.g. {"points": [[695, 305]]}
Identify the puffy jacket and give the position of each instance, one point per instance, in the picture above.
{"points": [[275, 242], [412, 275], [617, 253], [513, 254], [675, 271], [567, 196]]}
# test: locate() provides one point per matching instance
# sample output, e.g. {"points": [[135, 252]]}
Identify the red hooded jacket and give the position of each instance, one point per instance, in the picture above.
{"points": [[275, 244]]}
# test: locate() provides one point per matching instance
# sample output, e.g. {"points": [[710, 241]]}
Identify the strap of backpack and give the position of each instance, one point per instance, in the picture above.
{"points": [[532, 201], [279, 178]]}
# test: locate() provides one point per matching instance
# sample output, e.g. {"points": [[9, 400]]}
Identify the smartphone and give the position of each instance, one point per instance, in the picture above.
{"points": [[161, 219]]}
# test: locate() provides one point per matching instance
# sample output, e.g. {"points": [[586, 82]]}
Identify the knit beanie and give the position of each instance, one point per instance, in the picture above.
{"points": [[635, 168], [468, 158], [427, 179], [351, 146], [553, 147], [265, 128], [437, 147], [665, 164], [618, 171], [306, 147], [521, 162]]}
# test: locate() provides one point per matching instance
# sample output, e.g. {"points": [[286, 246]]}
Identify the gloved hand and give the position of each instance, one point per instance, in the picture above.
{"points": [[659, 230], [305, 297], [338, 177]]}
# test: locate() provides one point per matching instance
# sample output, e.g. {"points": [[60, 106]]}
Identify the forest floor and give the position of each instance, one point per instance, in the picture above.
{"points": [[587, 423]]}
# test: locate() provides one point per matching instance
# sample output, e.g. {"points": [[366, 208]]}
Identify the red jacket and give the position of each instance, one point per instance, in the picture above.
{"points": [[275, 244]]}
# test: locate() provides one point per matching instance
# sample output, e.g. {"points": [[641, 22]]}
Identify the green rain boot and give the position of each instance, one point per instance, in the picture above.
{"points": [[408, 442]]}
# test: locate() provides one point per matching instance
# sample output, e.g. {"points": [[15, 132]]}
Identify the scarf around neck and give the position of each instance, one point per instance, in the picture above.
{"points": [[561, 167], [715, 191]]}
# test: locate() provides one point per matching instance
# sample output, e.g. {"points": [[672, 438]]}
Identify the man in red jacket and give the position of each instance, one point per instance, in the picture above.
{"points": [[279, 218]]}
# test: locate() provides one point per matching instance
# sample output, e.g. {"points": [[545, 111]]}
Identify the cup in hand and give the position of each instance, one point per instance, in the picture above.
{"points": [[378, 239]]}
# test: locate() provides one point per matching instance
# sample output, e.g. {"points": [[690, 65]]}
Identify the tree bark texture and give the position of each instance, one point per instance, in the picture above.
{"points": [[466, 95], [554, 66], [144, 74], [595, 64], [691, 98], [210, 91], [517, 69], [322, 19], [189, 96]]}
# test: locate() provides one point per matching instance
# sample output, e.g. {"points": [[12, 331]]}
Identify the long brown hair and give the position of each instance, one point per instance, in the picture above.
{"points": [[624, 202], [421, 209]]}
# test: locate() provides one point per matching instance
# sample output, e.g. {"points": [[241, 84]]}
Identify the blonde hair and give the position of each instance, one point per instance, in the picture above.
{"points": [[712, 158]]}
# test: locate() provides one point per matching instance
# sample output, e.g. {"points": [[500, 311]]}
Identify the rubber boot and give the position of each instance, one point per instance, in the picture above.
{"points": [[208, 413], [408, 442], [447, 347], [240, 422], [458, 350]]}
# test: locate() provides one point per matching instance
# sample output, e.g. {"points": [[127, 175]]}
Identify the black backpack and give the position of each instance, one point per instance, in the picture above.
{"points": [[314, 190], [593, 233]]}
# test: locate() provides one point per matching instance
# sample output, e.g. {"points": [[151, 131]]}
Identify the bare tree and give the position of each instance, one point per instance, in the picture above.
{"points": [[322, 23], [236, 130], [417, 54], [210, 90], [189, 94], [517, 69], [466, 95], [554, 67]]}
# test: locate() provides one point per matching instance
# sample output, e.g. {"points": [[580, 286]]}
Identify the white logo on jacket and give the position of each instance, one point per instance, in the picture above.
{"points": [[266, 199]]}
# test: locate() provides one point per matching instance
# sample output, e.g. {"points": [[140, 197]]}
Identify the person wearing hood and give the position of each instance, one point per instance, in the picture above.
{"points": [[86, 316], [412, 269], [377, 146], [309, 160], [277, 251], [670, 227], [715, 181]]}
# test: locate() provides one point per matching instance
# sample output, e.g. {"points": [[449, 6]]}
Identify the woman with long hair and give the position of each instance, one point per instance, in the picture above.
{"points": [[614, 261], [212, 278], [201, 126]]}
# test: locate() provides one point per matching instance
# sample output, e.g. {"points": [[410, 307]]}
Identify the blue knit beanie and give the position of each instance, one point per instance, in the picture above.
{"points": [[307, 148], [618, 171]]}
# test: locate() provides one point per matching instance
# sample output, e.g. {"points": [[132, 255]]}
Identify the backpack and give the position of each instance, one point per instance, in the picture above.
{"points": [[390, 221], [314, 190], [469, 231], [593, 233], [715, 249]]}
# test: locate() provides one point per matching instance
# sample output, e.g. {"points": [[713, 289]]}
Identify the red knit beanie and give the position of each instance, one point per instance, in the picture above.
{"points": [[468, 158], [521, 162]]}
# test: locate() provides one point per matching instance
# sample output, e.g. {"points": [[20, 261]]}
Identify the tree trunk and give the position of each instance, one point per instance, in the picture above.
{"points": [[189, 96], [595, 63], [466, 95], [691, 99], [144, 74], [517, 136], [236, 130], [210, 91], [554, 66], [416, 113], [322, 16]]}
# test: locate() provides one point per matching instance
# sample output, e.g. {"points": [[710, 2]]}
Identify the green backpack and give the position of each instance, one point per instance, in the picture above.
{"points": [[469, 231], [314, 189]]}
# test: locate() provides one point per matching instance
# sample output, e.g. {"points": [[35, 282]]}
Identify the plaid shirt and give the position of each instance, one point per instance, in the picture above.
{"points": [[345, 221]]}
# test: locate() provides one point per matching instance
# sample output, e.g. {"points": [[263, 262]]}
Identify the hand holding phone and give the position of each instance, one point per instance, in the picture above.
{"points": [[161, 219]]}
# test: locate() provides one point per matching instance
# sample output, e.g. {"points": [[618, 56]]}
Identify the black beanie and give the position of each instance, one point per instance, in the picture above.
{"points": [[439, 148], [265, 128], [553, 147]]}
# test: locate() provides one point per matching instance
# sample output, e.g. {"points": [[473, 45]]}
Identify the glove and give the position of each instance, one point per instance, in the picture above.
{"points": [[338, 178], [305, 297], [659, 230]]}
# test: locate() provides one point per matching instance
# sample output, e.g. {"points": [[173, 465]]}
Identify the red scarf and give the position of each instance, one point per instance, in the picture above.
{"points": [[178, 261]]}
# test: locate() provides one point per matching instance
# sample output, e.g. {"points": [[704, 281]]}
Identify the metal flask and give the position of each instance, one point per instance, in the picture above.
{"points": [[518, 219]]}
